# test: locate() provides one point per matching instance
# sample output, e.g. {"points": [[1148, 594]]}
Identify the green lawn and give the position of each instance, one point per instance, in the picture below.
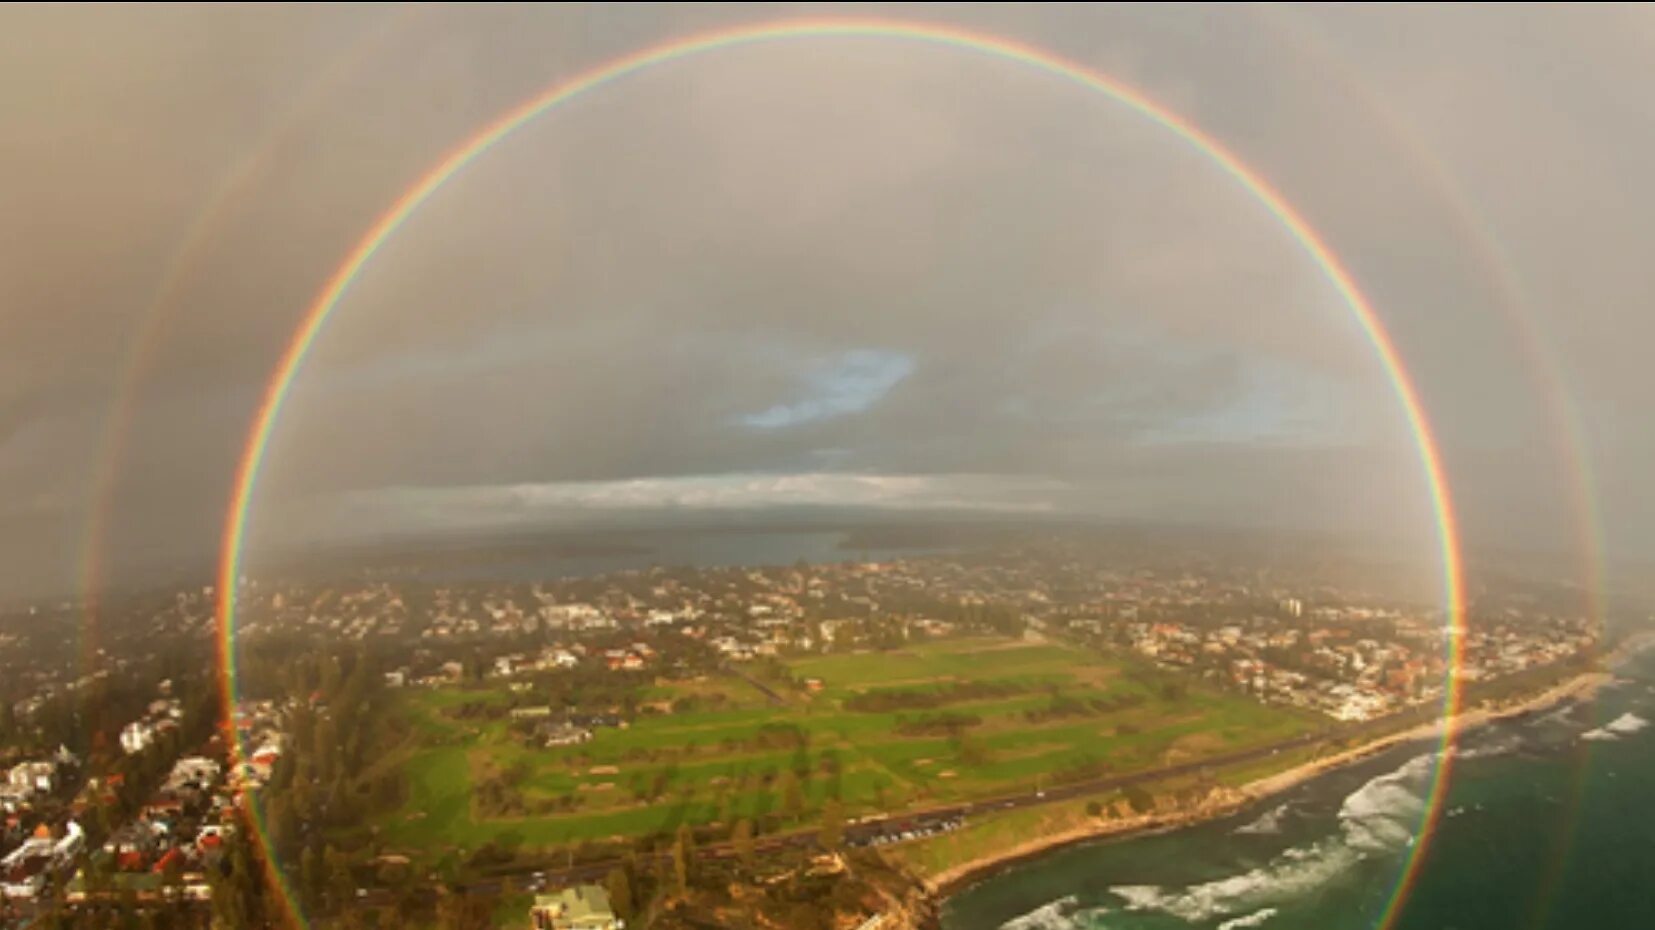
{"points": [[707, 765]]}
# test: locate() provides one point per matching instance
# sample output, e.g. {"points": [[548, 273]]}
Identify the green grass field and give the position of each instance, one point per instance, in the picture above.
{"points": [[713, 764]]}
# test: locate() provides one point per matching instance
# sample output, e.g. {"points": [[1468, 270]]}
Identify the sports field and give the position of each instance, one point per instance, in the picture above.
{"points": [[931, 723]]}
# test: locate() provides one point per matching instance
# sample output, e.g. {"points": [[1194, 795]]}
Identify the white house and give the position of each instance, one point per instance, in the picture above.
{"points": [[137, 736], [35, 776]]}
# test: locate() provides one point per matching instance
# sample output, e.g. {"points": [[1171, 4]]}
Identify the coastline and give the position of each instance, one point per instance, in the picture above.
{"points": [[1226, 802]]}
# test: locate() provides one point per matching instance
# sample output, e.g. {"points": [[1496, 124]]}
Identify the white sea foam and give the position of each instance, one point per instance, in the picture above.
{"points": [[1624, 725], [1496, 747], [1283, 878], [1560, 716], [1627, 723], [1051, 916], [1268, 822], [1255, 919], [1392, 795], [1375, 819]]}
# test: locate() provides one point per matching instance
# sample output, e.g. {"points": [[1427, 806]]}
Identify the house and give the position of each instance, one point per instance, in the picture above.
{"points": [[212, 836], [70, 846], [131, 842], [38, 776], [24, 871], [583, 907], [24, 880], [14, 798], [66, 759], [137, 736], [194, 772], [563, 734], [170, 860], [267, 754]]}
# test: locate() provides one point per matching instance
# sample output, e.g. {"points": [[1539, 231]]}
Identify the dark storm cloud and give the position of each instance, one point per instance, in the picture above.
{"points": [[647, 299]]}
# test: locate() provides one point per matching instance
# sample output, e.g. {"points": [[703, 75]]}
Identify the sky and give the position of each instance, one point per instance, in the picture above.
{"points": [[832, 273]]}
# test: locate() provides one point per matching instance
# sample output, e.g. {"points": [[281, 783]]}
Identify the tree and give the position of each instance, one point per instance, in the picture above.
{"points": [[742, 840], [620, 893], [833, 824], [792, 796], [682, 850], [237, 890], [971, 750], [1138, 799], [284, 825], [172, 878], [341, 889], [459, 911], [326, 749], [310, 877]]}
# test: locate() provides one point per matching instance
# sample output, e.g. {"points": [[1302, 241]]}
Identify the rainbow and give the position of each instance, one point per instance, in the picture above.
{"points": [[1505, 280], [193, 248], [1314, 246]]}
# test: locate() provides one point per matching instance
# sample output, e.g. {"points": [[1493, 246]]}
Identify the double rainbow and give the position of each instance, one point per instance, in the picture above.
{"points": [[1313, 244]]}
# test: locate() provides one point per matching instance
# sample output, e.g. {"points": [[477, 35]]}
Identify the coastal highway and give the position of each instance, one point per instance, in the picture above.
{"points": [[926, 821]]}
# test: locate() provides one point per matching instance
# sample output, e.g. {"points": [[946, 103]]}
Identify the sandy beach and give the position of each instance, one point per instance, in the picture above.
{"points": [[1228, 801]]}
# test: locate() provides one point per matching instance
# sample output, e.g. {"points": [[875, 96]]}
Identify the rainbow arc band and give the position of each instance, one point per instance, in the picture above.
{"points": [[202, 234], [339, 283]]}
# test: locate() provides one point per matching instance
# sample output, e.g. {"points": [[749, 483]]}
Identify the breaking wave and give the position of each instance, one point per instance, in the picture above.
{"points": [[1053, 916], [1268, 822], [1496, 747], [1624, 725], [1562, 715], [1255, 919], [1376, 819], [1627, 723]]}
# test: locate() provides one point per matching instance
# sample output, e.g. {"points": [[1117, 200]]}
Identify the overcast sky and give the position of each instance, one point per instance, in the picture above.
{"points": [[846, 271]]}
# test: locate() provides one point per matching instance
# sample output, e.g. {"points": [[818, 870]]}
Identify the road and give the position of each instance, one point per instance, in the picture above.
{"points": [[862, 832], [763, 688]]}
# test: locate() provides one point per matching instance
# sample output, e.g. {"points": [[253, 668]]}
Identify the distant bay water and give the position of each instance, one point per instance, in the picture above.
{"points": [[618, 552], [1550, 823]]}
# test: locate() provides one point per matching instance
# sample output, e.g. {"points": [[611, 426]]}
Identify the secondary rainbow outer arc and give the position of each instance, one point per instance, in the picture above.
{"points": [[187, 257], [1503, 277], [1506, 281], [316, 316]]}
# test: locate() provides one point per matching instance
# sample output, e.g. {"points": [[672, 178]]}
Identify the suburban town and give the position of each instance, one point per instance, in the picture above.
{"points": [[129, 783]]}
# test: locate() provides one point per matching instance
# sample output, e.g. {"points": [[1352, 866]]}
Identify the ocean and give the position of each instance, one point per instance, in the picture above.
{"points": [[1549, 823]]}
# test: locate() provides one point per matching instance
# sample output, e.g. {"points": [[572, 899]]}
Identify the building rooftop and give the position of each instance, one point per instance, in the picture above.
{"points": [[577, 908]]}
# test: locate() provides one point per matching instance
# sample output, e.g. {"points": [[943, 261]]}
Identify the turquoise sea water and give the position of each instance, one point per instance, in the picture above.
{"points": [[1549, 823]]}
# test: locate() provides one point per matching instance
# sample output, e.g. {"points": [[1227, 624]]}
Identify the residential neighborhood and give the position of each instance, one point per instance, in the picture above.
{"points": [[149, 807]]}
